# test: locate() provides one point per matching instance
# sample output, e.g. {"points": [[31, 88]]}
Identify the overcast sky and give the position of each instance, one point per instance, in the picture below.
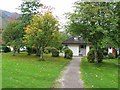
{"points": [[61, 6]]}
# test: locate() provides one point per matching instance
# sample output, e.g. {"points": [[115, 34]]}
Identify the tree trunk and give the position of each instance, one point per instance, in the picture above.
{"points": [[96, 55], [41, 53], [14, 50], [18, 50], [38, 51], [29, 50]]}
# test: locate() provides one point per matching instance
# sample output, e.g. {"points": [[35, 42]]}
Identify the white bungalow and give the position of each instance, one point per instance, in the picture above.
{"points": [[78, 46]]}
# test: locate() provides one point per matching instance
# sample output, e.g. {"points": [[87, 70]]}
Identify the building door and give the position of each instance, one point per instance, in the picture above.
{"points": [[82, 50]]}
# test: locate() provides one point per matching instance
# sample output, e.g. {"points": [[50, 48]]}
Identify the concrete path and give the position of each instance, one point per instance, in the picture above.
{"points": [[71, 76]]}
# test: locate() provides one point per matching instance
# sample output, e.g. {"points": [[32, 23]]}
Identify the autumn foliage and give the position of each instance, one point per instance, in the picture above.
{"points": [[42, 29]]}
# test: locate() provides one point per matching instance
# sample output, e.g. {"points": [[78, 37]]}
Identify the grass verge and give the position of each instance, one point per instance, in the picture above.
{"points": [[23, 71], [102, 75]]}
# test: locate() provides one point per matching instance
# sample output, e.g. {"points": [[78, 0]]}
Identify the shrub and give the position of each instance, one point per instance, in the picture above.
{"points": [[47, 50], [118, 57], [29, 50], [116, 54], [105, 52], [5, 49], [100, 55], [33, 51], [91, 56], [68, 53], [55, 52], [111, 56]]}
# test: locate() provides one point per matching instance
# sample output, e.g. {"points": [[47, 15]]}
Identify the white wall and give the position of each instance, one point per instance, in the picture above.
{"points": [[75, 49], [109, 50], [11, 48], [83, 51], [87, 49]]}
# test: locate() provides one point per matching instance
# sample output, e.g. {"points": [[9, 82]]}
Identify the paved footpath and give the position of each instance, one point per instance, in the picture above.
{"points": [[71, 76]]}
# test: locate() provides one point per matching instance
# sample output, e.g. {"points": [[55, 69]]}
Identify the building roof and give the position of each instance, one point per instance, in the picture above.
{"points": [[75, 40]]}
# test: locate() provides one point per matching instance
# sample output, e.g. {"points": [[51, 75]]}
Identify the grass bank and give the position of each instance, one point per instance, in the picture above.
{"points": [[102, 75], [24, 71]]}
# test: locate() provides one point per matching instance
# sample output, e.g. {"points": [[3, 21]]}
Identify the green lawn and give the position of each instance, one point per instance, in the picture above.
{"points": [[24, 71], [102, 75], [0, 70]]}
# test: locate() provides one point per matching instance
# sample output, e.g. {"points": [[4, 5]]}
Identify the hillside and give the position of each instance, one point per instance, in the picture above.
{"points": [[6, 17]]}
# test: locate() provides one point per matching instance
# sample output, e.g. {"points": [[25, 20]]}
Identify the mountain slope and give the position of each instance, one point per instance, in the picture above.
{"points": [[6, 17]]}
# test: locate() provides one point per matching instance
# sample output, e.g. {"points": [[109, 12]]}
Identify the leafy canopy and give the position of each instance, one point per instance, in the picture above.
{"points": [[94, 21], [42, 30], [29, 8], [12, 34]]}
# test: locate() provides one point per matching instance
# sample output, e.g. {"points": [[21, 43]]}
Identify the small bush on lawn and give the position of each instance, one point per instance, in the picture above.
{"points": [[29, 50], [55, 52], [111, 56], [118, 57], [5, 49], [68, 53], [33, 51], [47, 50], [105, 52], [116, 54], [91, 56]]}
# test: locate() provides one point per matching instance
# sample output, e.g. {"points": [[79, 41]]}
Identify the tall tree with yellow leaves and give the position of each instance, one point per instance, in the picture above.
{"points": [[41, 31]]}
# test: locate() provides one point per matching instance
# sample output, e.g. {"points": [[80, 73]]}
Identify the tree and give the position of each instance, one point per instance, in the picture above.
{"points": [[95, 22], [28, 9], [41, 31], [118, 22], [57, 42], [12, 35]]}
